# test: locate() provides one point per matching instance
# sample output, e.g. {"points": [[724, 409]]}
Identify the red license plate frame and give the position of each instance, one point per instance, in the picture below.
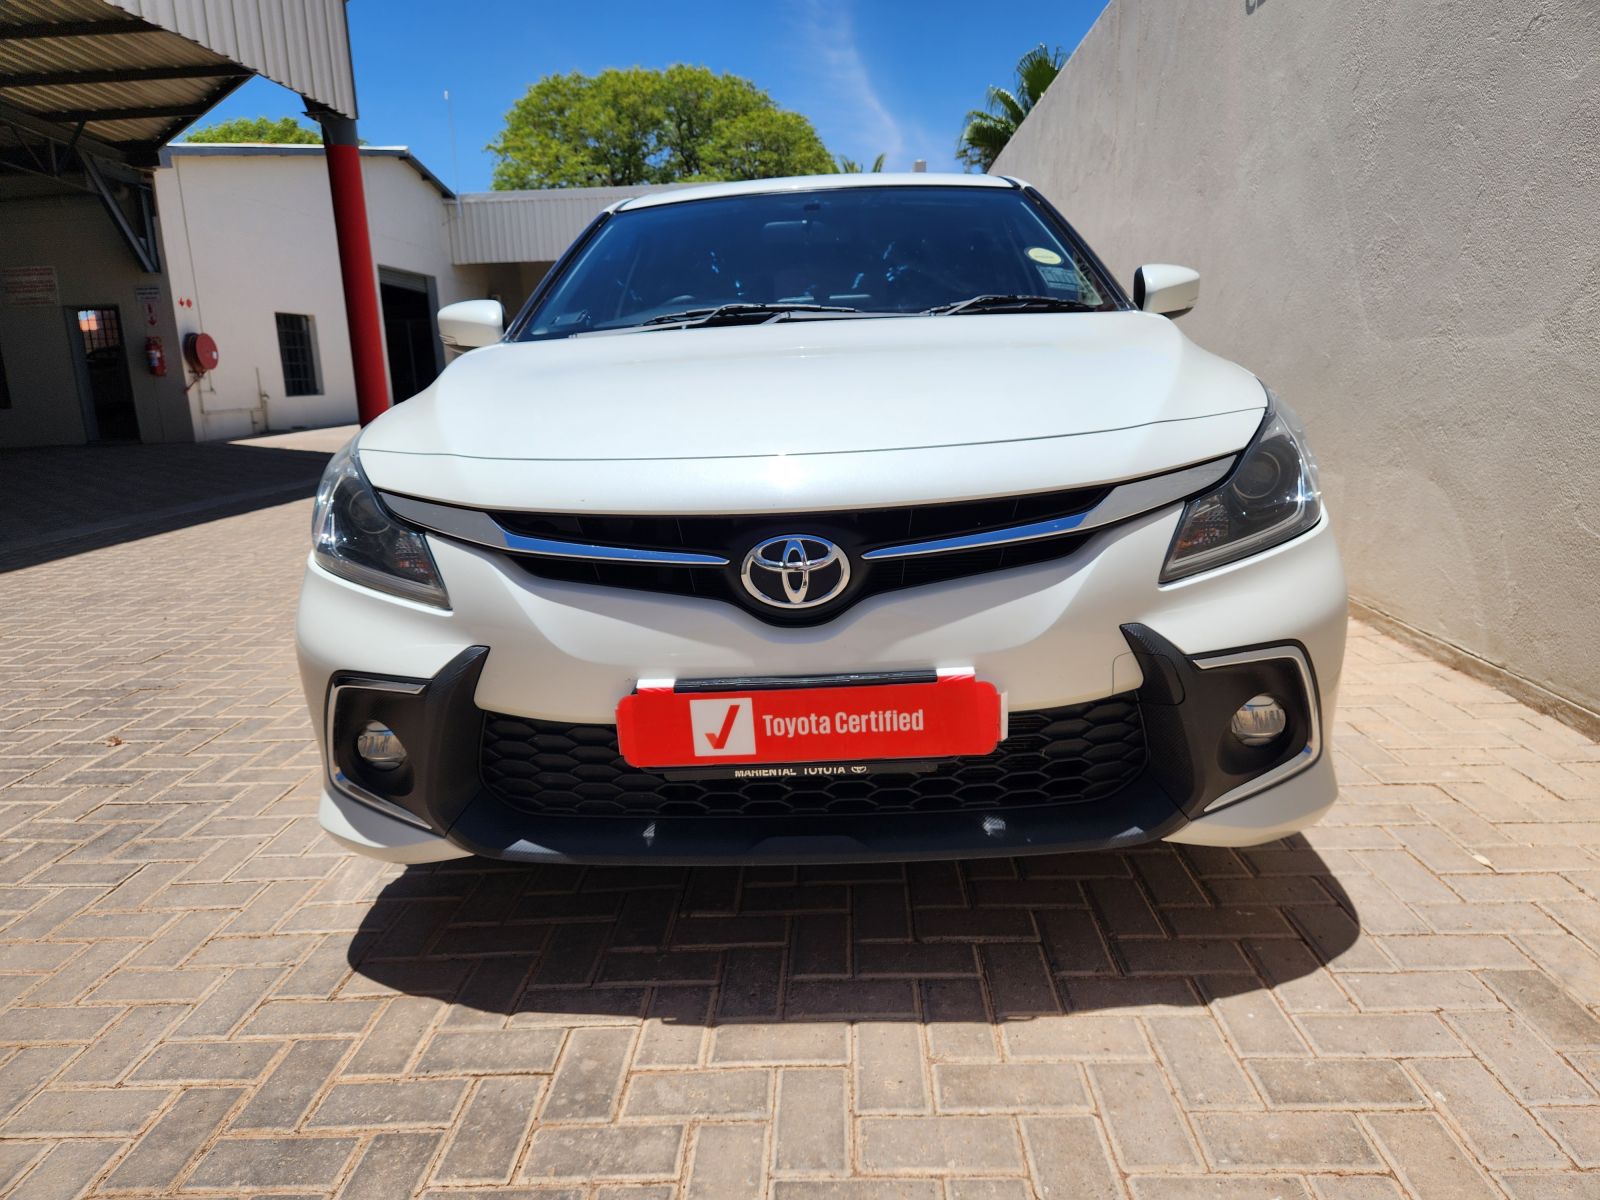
{"points": [[952, 715]]}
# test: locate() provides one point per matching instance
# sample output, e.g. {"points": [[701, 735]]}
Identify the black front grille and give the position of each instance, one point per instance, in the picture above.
{"points": [[855, 532], [867, 578], [866, 528], [1058, 756]]}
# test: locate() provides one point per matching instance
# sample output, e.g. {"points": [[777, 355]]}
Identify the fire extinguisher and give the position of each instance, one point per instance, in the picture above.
{"points": [[155, 357]]}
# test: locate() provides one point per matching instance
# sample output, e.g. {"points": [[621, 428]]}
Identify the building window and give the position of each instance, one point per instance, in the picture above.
{"points": [[101, 329], [297, 348]]}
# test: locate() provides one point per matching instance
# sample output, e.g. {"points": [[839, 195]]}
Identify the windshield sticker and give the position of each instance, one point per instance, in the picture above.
{"points": [[1041, 254], [1059, 277]]}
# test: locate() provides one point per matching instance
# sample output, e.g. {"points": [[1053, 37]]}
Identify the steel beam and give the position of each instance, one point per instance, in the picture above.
{"points": [[141, 241], [50, 131], [35, 30], [191, 109], [222, 70]]}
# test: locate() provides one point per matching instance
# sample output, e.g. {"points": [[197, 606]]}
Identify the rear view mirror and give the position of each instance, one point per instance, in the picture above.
{"points": [[1165, 289], [468, 324]]}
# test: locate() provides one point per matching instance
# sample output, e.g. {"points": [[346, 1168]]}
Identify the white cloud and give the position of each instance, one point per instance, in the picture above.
{"points": [[848, 111]]}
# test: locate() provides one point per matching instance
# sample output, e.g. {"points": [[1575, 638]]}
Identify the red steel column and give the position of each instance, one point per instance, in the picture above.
{"points": [[342, 150]]}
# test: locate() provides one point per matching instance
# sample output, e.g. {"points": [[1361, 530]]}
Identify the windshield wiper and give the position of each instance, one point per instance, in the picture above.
{"points": [[1002, 303], [729, 314]]}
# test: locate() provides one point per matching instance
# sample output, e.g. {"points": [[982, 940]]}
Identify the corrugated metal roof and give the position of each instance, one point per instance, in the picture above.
{"points": [[302, 44], [129, 75], [530, 226]]}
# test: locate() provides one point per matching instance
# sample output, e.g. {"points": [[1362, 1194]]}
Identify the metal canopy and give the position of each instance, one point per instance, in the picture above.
{"points": [[81, 64], [90, 90], [121, 78]]}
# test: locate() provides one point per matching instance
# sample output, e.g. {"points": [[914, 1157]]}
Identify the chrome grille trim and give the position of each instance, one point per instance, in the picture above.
{"points": [[471, 525], [1124, 501]]}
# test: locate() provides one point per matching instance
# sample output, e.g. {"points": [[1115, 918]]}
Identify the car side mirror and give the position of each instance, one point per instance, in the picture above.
{"points": [[468, 324], [1165, 289]]}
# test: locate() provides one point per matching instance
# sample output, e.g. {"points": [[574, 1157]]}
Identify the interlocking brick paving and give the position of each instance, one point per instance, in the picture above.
{"points": [[60, 500], [202, 996]]}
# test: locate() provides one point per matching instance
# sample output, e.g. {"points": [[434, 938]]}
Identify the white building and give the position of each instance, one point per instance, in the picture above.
{"points": [[89, 92], [249, 257], [251, 261]]}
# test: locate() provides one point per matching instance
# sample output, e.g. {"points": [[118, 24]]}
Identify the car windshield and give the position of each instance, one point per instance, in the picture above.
{"points": [[863, 250]]}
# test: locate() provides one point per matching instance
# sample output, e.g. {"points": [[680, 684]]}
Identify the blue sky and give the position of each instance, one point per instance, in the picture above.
{"points": [[892, 76]]}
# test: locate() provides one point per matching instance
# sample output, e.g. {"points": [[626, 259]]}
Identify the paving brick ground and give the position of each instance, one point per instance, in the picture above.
{"points": [[200, 996], [66, 499]]}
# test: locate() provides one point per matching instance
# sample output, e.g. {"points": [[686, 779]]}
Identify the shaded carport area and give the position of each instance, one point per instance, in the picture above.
{"points": [[61, 501], [90, 90]]}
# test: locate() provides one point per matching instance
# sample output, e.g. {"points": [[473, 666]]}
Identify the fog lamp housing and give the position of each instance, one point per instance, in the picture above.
{"points": [[380, 748], [1259, 721]]}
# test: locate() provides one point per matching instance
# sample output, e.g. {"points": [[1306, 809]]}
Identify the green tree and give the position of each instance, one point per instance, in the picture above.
{"points": [[989, 129], [285, 131], [849, 166], [633, 125], [764, 143]]}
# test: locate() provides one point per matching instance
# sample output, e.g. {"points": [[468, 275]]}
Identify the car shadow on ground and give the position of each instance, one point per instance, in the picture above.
{"points": [[64, 500], [976, 941]]}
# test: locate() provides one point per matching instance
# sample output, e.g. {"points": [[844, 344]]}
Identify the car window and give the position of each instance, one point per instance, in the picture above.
{"points": [[875, 249]]}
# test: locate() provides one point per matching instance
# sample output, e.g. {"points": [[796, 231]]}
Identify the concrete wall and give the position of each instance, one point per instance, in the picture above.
{"points": [[71, 232], [251, 235], [513, 283], [1395, 209]]}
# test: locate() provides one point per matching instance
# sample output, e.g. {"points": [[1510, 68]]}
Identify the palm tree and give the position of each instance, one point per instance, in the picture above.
{"points": [[849, 166], [989, 129]]}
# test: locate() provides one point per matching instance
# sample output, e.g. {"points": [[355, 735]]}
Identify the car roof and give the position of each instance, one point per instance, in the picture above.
{"points": [[810, 183]]}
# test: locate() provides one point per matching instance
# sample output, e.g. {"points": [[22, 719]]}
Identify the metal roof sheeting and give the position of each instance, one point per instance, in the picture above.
{"points": [[302, 44], [532, 226], [69, 62], [127, 75]]}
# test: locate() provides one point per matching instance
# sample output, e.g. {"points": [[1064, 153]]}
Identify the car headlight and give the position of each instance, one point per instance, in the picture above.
{"points": [[1271, 496], [353, 537]]}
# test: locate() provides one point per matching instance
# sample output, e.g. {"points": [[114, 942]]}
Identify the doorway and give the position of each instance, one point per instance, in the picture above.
{"points": [[409, 331], [101, 361]]}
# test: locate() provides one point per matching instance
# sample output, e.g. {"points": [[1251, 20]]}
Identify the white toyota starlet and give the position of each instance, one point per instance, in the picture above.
{"points": [[856, 517]]}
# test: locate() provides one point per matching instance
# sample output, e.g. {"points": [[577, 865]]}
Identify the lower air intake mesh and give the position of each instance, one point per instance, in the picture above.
{"points": [[1074, 755]]}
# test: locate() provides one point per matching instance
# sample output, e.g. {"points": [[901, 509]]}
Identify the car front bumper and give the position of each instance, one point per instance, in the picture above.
{"points": [[1090, 626]]}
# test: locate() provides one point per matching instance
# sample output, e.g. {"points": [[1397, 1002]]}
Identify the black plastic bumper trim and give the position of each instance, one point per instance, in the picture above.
{"points": [[437, 722], [1185, 709], [1142, 814]]}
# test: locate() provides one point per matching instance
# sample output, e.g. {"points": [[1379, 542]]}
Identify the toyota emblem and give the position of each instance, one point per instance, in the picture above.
{"points": [[795, 570]]}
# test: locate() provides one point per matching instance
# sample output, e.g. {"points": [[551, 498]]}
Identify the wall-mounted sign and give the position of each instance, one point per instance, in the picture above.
{"points": [[28, 287], [149, 295]]}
